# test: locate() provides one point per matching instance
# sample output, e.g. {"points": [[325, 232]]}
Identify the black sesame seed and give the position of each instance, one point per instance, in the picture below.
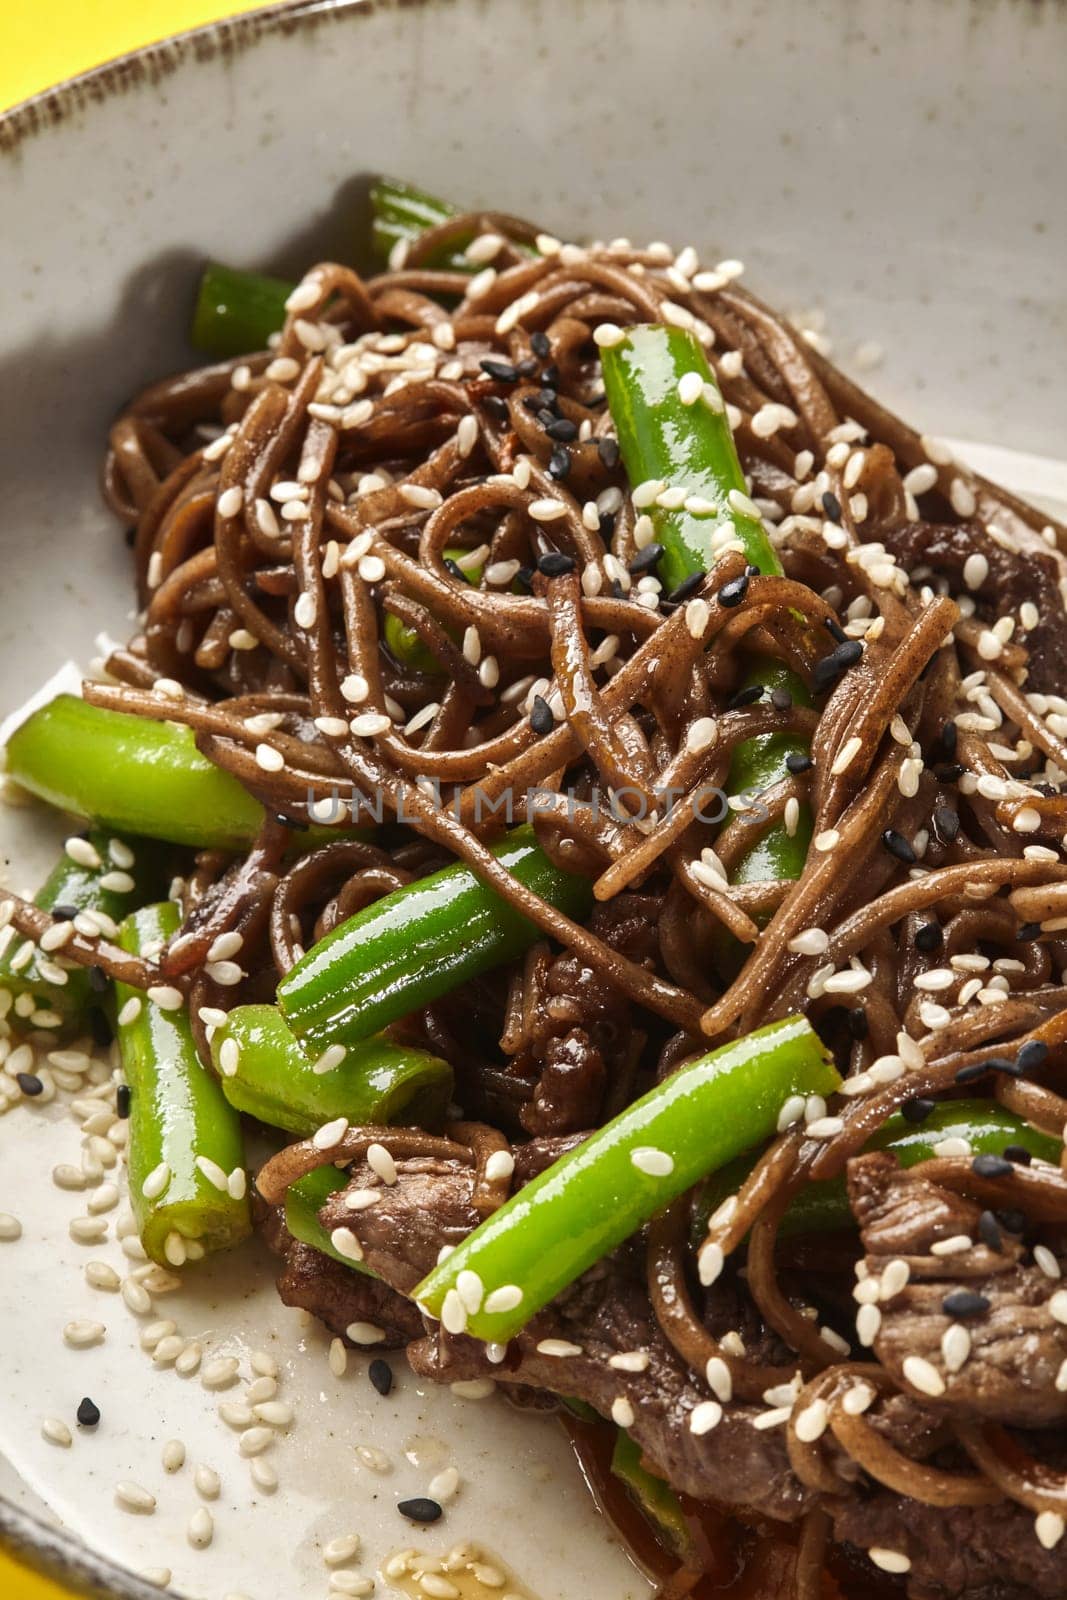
{"points": [[88, 1413], [1017, 1154], [989, 1231], [541, 345], [421, 1509], [838, 661], [545, 415], [555, 564], [916, 1110], [563, 430], [965, 1303], [608, 451], [502, 371], [100, 1028], [524, 577], [835, 630], [294, 824], [849, 653], [858, 1026], [547, 400], [455, 569], [645, 559], [929, 938], [1033, 1053], [991, 1166], [948, 738], [687, 587], [798, 762], [832, 506], [380, 1374], [746, 697], [550, 375], [1001, 1064], [64, 913], [898, 846], [542, 720], [972, 1073], [781, 700], [616, 590], [532, 402], [559, 464], [1011, 1221], [732, 593], [526, 367], [1028, 932], [947, 823], [949, 774], [98, 980], [496, 407], [30, 1084], [122, 1101], [751, 571], [606, 525]]}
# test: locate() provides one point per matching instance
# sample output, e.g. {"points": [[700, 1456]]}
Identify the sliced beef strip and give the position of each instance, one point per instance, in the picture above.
{"points": [[1014, 575], [607, 1313], [1017, 1348], [956, 1552], [338, 1297]]}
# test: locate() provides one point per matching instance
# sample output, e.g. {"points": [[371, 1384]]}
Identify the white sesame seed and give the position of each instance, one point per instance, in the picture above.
{"points": [[506, 1298], [342, 1549], [173, 1455], [346, 1244], [889, 1560], [704, 1417], [55, 1430], [958, 1244], [454, 1313], [330, 1133], [263, 1474], [255, 1440], [710, 1263], [962, 498], [773, 1418], [82, 853], [690, 388], [812, 1421], [211, 1169], [278, 1414], [220, 1372], [156, 1181], [1046, 1261], [229, 1057], [562, 1349], [868, 1324], [330, 1059], [923, 1375], [166, 997], [131, 1497], [381, 1162], [697, 617], [1049, 1528], [201, 1528], [741, 503], [11, 1228], [625, 1360], [955, 1347], [230, 501], [622, 1412], [826, 840], [236, 1414], [370, 723], [810, 942], [608, 334], [655, 1163], [546, 510]]}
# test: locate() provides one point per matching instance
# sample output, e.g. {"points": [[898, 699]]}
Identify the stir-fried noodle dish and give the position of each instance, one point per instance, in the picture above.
{"points": [[586, 785]]}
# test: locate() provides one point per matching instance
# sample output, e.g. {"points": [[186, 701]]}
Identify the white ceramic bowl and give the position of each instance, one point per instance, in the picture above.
{"points": [[897, 167]]}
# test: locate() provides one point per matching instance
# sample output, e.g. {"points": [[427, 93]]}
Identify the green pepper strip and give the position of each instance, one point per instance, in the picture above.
{"points": [[79, 888], [130, 774], [178, 1114], [303, 1202], [267, 1074], [656, 1499], [418, 943], [400, 211], [824, 1208], [664, 439], [236, 312], [555, 1228]]}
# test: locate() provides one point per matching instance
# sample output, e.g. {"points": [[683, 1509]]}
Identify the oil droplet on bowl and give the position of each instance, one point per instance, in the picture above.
{"points": [[466, 1572]]}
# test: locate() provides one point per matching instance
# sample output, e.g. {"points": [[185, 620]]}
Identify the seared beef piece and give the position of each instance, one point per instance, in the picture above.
{"points": [[1014, 576], [956, 1552], [607, 1313], [338, 1296], [537, 1154], [1016, 1346], [570, 1090], [582, 1034]]}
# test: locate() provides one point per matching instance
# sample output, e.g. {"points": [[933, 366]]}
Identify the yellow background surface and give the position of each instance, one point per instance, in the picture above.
{"points": [[42, 42]]}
